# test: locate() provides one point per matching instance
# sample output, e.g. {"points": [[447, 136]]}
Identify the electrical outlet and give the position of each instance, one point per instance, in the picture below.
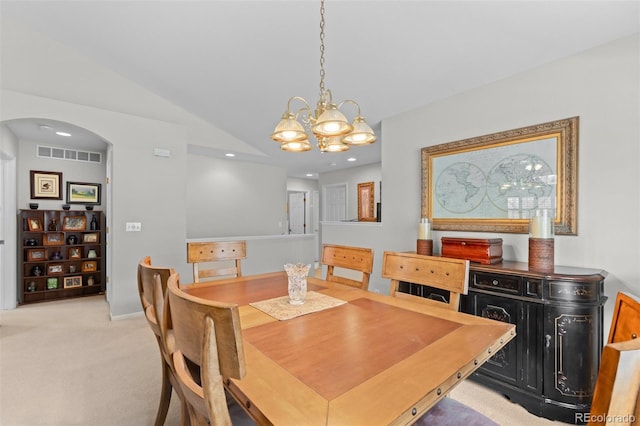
{"points": [[133, 227]]}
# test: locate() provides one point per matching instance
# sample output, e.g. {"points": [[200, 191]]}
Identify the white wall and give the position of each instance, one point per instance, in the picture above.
{"points": [[8, 227], [72, 171], [352, 177], [602, 86], [43, 79], [227, 198]]}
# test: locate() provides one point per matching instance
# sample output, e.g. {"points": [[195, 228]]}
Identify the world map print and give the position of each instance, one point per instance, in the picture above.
{"points": [[509, 181]]}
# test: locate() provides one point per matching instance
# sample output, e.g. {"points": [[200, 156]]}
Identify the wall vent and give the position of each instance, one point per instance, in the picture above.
{"points": [[68, 154]]}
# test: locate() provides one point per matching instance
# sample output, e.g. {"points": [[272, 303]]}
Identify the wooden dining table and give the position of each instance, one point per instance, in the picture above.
{"points": [[374, 360]]}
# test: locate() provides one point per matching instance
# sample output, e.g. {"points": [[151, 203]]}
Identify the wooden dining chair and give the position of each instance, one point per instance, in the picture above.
{"points": [[616, 397], [208, 348], [450, 275], [357, 259], [216, 259], [625, 323], [152, 285], [617, 387]]}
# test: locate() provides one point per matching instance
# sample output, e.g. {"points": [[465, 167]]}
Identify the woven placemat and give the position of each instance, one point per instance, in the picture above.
{"points": [[280, 308]]}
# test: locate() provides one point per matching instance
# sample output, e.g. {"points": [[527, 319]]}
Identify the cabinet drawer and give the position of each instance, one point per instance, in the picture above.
{"points": [[577, 292], [498, 283]]}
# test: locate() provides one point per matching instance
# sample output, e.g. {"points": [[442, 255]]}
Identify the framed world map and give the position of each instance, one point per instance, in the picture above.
{"points": [[494, 183]]}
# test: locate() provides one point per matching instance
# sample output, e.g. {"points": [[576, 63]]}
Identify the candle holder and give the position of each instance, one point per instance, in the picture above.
{"points": [[541, 254], [541, 241], [425, 247]]}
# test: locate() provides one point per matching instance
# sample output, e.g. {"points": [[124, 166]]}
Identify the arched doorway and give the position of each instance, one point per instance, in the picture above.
{"points": [[43, 144]]}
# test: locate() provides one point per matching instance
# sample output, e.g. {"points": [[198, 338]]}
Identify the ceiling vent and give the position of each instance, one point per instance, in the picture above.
{"points": [[68, 154]]}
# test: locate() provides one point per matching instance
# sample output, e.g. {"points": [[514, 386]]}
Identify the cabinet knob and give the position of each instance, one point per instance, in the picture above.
{"points": [[634, 336]]}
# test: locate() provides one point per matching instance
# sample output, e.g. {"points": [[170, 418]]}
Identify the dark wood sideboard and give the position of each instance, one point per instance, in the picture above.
{"points": [[551, 367]]}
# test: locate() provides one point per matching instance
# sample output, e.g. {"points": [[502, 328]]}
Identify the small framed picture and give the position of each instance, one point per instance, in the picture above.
{"points": [[53, 239], [83, 193], [54, 268], [70, 282], [34, 255], [52, 283], [89, 266], [90, 238], [46, 185], [74, 253], [74, 223], [34, 224]]}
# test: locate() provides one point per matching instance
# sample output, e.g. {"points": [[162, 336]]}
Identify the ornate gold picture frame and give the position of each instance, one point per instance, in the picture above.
{"points": [[365, 202], [494, 183]]}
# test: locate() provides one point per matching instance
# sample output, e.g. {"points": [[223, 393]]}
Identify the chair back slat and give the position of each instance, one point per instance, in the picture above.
{"points": [[220, 253], [358, 259], [451, 275]]}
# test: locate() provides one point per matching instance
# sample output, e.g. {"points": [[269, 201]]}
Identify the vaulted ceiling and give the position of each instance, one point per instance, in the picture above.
{"points": [[236, 63]]}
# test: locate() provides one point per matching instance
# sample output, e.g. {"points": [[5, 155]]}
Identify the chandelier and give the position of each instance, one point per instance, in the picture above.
{"points": [[327, 123]]}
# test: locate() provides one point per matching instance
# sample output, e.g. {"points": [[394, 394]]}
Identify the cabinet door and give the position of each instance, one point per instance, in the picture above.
{"points": [[504, 365], [571, 353]]}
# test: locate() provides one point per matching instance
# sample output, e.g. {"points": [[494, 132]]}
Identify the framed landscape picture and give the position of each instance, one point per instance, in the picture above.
{"points": [[74, 223], [83, 193]]}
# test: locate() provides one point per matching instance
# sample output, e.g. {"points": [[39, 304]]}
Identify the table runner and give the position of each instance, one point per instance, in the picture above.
{"points": [[280, 308]]}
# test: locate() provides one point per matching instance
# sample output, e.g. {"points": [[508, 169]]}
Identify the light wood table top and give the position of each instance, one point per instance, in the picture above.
{"points": [[374, 360]]}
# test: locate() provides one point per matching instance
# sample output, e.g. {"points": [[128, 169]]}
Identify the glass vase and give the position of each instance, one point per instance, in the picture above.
{"points": [[297, 276]]}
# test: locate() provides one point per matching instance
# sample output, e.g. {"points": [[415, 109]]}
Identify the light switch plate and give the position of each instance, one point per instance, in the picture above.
{"points": [[133, 227]]}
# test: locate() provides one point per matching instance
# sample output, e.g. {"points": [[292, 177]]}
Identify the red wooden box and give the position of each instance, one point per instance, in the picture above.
{"points": [[485, 251]]}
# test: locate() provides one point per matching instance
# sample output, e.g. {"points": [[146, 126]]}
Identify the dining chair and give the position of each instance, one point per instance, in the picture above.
{"points": [[451, 275], [208, 349], [616, 396], [448, 274], [357, 259], [625, 323], [213, 259], [152, 284], [618, 383]]}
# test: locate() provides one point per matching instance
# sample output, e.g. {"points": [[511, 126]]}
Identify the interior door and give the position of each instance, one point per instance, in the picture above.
{"points": [[297, 210], [334, 202]]}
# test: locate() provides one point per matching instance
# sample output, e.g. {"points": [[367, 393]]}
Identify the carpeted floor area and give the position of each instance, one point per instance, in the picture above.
{"points": [[64, 363]]}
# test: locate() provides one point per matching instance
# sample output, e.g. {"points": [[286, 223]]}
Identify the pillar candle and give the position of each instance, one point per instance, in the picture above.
{"points": [[424, 229], [541, 225]]}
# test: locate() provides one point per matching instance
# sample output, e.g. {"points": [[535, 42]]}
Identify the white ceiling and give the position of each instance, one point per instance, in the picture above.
{"points": [[235, 63]]}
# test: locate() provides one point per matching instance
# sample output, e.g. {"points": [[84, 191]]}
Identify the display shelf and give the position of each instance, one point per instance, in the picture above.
{"points": [[62, 254]]}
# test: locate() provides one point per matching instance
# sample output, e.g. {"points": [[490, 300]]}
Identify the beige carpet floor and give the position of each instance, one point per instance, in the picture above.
{"points": [[64, 363]]}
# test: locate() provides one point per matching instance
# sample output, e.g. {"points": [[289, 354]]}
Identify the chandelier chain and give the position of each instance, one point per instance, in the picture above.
{"points": [[322, 49]]}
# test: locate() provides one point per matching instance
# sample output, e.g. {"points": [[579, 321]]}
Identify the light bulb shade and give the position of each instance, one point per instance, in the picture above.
{"points": [[331, 123], [362, 133], [333, 144], [296, 146], [289, 130]]}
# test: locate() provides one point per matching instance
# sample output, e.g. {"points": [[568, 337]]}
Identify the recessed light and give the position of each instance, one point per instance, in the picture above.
{"points": [[63, 134], [309, 174], [229, 154], [351, 159], [333, 163]]}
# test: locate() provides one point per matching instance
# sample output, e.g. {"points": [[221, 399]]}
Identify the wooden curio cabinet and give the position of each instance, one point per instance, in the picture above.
{"points": [[61, 254]]}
